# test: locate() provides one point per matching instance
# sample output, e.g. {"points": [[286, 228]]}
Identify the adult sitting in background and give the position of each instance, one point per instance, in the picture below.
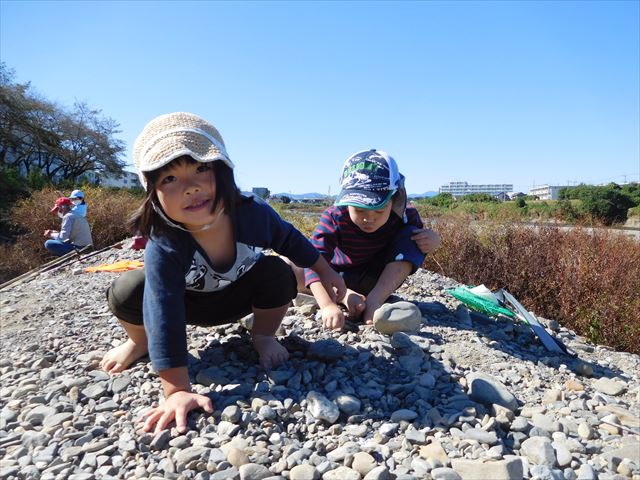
{"points": [[74, 231]]}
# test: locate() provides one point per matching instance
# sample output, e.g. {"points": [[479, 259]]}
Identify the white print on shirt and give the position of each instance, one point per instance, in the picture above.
{"points": [[201, 276]]}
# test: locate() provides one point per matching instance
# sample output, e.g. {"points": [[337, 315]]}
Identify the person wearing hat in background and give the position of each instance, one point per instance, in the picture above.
{"points": [[203, 263], [370, 236], [79, 203], [74, 230]]}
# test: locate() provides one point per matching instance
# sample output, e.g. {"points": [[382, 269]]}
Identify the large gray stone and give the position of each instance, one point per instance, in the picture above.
{"points": [[486, 389], [397, 317]]}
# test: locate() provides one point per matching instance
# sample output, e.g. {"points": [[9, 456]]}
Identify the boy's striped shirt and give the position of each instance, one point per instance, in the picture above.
{"points": [[344, 245]]}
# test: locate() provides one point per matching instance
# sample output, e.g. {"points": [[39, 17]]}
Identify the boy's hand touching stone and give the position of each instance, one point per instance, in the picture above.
{"points": [[370, 309], [427, 240], [355, 304]]}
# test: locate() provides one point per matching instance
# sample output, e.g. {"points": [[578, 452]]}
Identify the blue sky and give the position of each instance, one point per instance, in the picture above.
{"points": [[487, 92]]}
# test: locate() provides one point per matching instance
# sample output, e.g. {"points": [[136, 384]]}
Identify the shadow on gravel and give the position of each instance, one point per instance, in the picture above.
{"points": [[383, 383], [386, 384]]}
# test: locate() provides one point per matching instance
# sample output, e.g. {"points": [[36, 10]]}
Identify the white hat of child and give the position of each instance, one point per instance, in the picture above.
{"points": [[173, 135]]}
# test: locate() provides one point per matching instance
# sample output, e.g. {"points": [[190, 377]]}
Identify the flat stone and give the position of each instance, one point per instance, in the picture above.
{"points": [[186, 455], [625, 416], [544, 422], [342, 473], [37, 415], [609, 386], [340, 453], [304, 472], [95, 391], [253, 471], [363, 463], [348, 404], [585, 431], [57, 419], [227, 474], [508, 469], [237, 457], [322, 408], [403, 415], [586, 472], [379, 473], [434, 451], [445, 473], [630, 451], [481, 436], [304, 299], [397, 317], [573, 386], [539, 451], [563, 455], [232, 414]]}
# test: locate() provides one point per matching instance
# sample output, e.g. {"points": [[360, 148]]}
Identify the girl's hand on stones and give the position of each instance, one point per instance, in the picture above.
{"points": [[332, 317], [175, 408]]}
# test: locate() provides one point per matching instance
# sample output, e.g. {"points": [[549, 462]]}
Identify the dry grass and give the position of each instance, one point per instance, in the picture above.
{"points": [[589, 281], [108, 210]]}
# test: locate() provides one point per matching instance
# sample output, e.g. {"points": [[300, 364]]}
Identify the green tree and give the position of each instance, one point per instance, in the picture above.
{"points": [[607, 204], [441, 200], [62, 144]]}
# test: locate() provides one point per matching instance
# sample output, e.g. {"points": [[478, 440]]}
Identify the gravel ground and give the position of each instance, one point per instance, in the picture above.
{"points": [[458, 397]]}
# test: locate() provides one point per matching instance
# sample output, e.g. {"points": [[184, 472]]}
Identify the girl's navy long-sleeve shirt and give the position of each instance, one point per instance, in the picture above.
{"points": [[176, 264]]}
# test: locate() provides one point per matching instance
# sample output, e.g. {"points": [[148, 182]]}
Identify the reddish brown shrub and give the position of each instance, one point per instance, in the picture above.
{"points": [[587, 280]]}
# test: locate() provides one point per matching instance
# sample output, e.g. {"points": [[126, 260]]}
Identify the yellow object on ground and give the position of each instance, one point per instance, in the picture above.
{"points": [[121, 266]]}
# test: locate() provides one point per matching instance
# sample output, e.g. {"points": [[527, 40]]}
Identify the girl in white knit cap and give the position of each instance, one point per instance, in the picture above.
{"points": [[203, 261]]}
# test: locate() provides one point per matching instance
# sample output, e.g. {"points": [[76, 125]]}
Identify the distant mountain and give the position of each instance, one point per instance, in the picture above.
{"points": [[430, 193], [299, 196]]}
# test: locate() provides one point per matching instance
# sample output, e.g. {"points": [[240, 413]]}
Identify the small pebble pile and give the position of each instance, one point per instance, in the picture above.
{"points": [[438, 393]]}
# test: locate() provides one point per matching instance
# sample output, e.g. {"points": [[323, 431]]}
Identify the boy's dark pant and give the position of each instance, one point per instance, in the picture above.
{"points": [[270, 283]]}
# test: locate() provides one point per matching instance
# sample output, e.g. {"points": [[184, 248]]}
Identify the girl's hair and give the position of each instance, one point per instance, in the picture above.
{"points": [[146, 220]]}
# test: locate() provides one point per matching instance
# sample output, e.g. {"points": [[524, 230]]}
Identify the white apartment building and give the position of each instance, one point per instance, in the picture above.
{"points": [[459, 189], [546, 192]]}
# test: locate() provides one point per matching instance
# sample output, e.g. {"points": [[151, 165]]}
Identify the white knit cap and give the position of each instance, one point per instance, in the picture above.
{"points": [[173, 135]]}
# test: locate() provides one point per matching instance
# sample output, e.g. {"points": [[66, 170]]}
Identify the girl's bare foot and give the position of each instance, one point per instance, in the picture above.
{"points": [[271, 352], [121, 357]]}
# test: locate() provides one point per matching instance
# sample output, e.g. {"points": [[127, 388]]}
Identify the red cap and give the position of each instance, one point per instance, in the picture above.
{"points": [[62, 201]]}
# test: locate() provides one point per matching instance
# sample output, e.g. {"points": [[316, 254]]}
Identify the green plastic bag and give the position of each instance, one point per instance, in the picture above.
{"points": [[478, 303]]}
